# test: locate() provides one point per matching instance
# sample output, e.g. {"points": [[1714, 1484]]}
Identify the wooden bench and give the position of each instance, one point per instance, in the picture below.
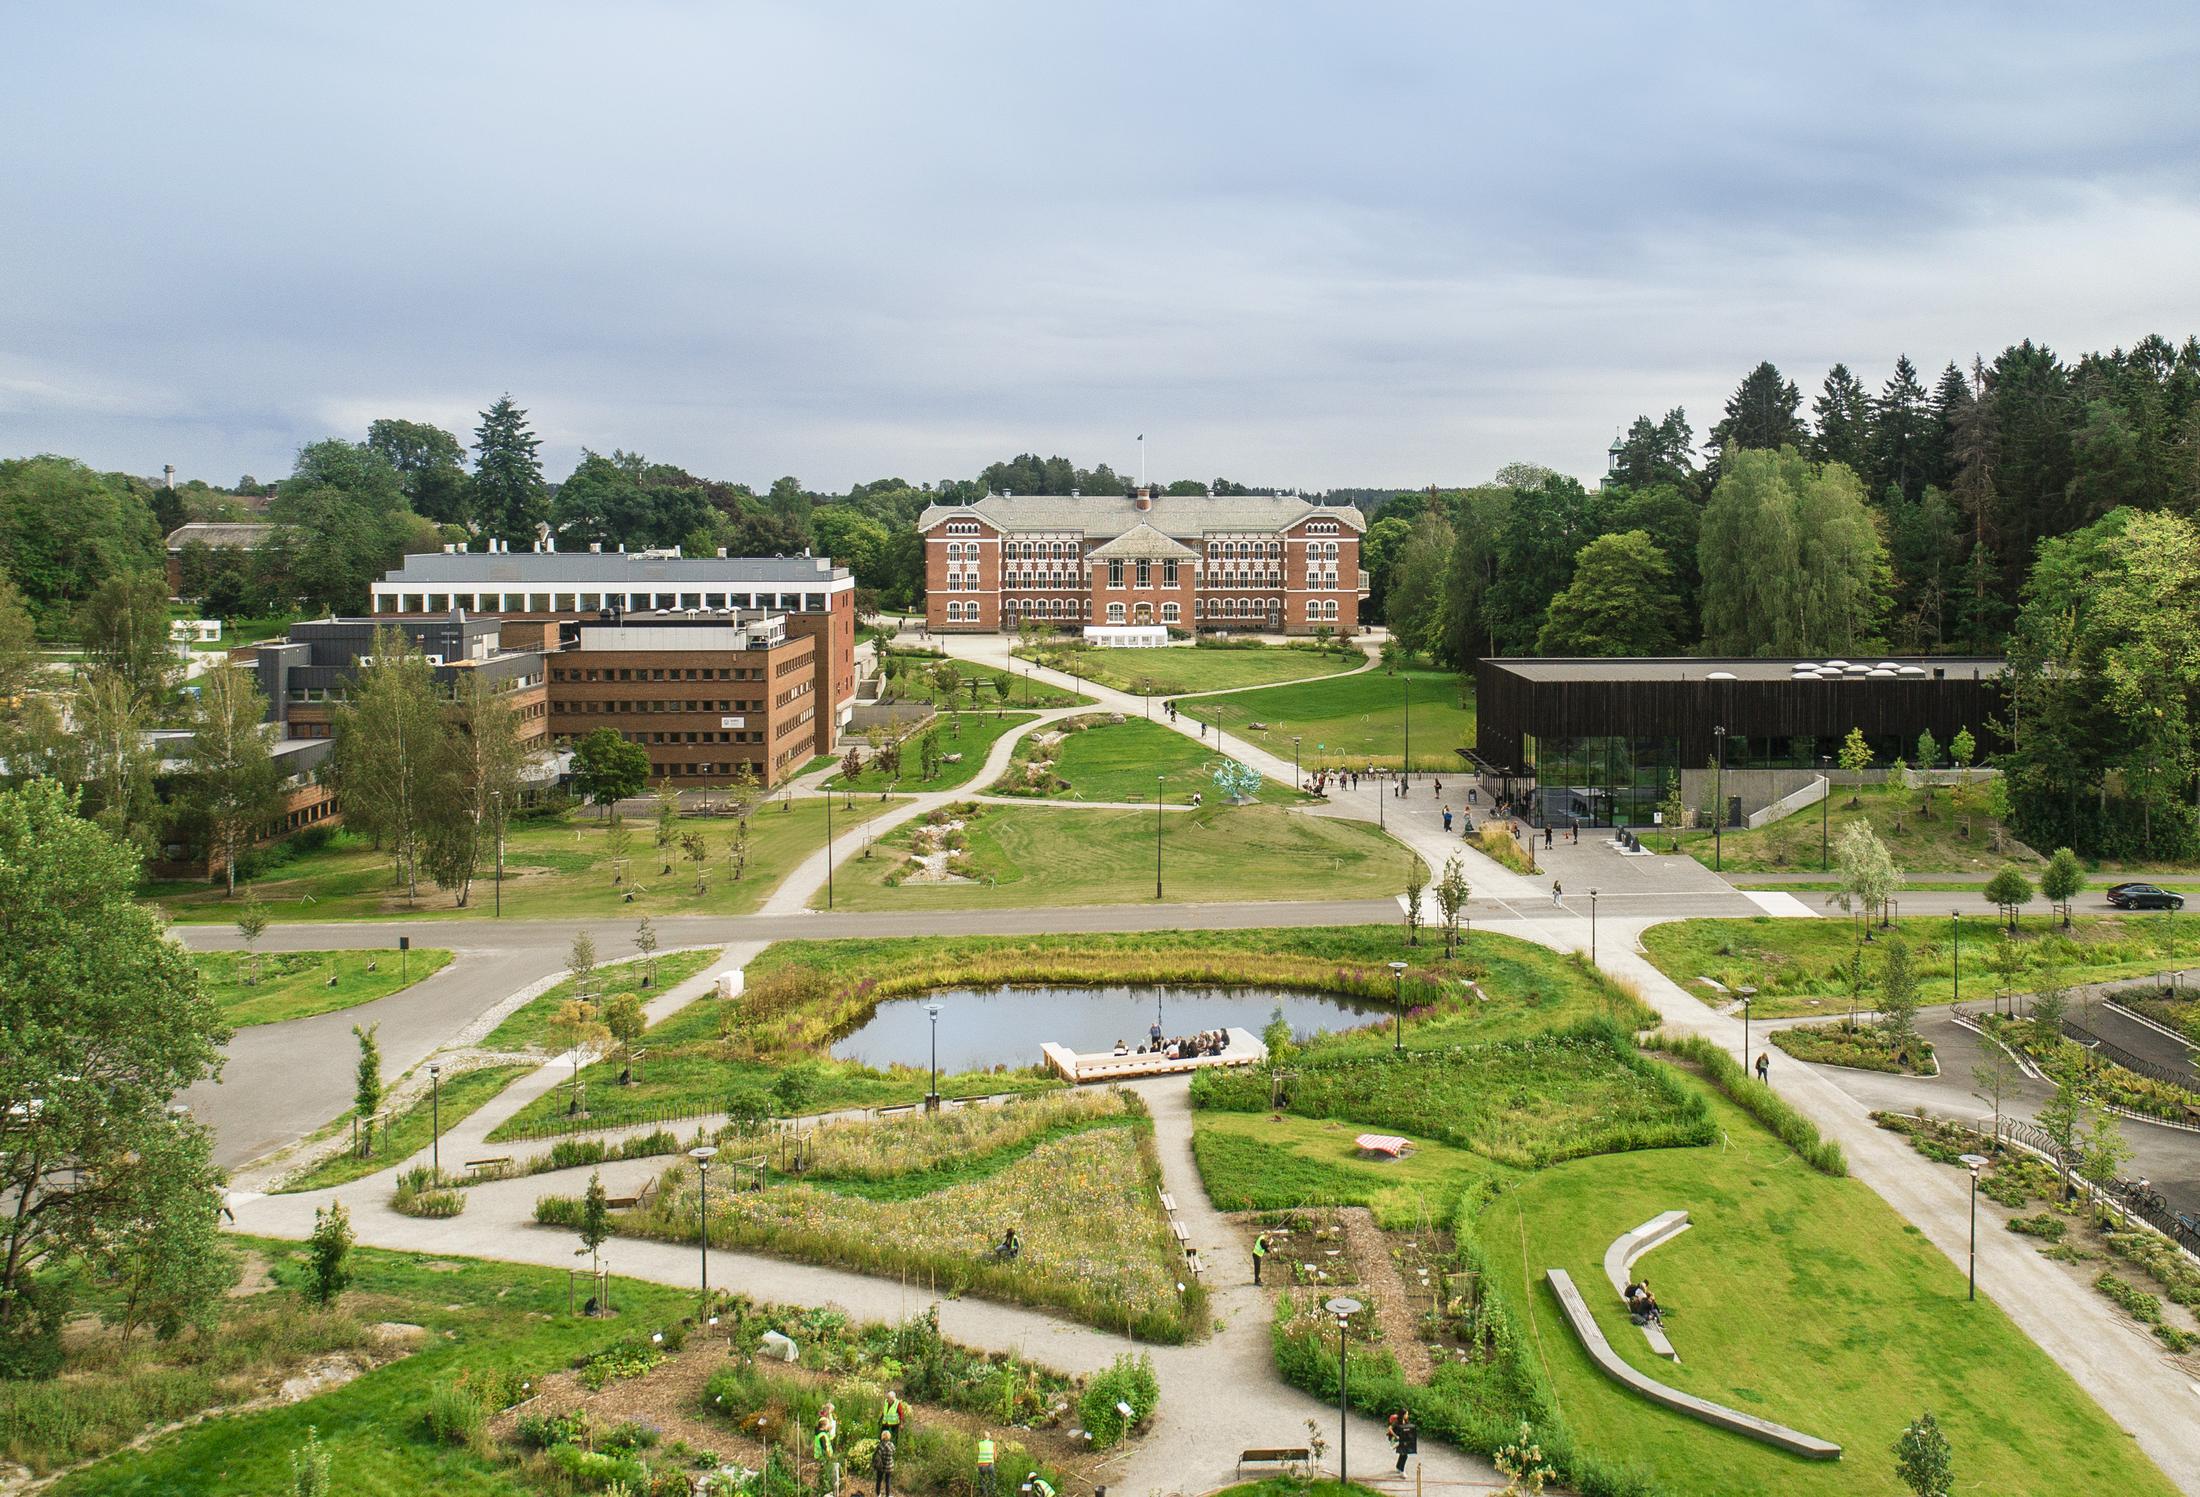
{"points": [[1168, 1203], [1282, 1455], [476, 1166], [628, 1203], [1178, 1228], [1191, 1261], [889, 1112]]}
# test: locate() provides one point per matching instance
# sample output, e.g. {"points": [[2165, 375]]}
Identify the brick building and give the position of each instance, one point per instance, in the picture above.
{"points": [[1265, 563], [561, 590]]}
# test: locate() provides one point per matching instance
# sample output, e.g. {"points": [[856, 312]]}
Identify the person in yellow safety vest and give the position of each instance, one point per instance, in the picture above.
{"points": [[985, 1464], [1038, 1486], [889, 1417], [824, 1447], [1260, 1251]]}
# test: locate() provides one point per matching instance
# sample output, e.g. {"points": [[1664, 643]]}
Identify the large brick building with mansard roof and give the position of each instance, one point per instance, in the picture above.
{"points": [[1267, 563]]}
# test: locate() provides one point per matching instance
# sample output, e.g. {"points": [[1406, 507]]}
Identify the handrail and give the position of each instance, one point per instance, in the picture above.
{"points": [[2183, 1081]]}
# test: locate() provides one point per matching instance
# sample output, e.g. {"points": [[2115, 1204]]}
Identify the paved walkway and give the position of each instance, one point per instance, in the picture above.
{"points": [[1219, 1395]]}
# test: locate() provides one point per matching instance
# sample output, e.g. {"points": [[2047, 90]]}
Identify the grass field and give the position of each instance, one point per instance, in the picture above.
{"points": [[914, 685], [294, 984], [478, 1315], [970, 735], [1801, 1298], [1256, 1162], [528, 1026], [1352, 721], [1186, 668], [1920, 845], [1797, 966], [560, 870], [1021, 856], [409, 1131], [1120, 761]]}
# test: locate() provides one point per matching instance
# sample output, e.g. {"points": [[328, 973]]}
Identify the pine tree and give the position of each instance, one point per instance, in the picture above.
{"points": [[1842, 415], [1761, 415], [1901, 433], [510, 498]]}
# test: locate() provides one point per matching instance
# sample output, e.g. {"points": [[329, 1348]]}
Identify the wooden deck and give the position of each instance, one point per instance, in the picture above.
{"points": [[1245, 1049]]}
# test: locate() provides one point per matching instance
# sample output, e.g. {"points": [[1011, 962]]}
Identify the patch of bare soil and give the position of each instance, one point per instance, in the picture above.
{"points": [[1333, 1249]]}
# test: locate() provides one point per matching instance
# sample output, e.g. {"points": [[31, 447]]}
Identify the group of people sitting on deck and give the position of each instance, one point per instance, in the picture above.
{"points": [[1206, 1042], [1642, 1305]]}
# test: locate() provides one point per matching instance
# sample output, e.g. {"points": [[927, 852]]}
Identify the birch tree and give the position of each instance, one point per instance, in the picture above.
{"points": [[229, 769], [388, 752]]}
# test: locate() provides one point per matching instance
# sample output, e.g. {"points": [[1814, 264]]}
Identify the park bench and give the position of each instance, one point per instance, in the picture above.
{"points": [[632, 1202], [1191, 1261], [498, 1162], [1168, 1203], [890, 1112], [1286, 1456], [1177, 1227]]}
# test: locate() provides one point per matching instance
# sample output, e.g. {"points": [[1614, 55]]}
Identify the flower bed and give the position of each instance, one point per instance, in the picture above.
{"points": [[2059, 1055], [1862, 1047]]}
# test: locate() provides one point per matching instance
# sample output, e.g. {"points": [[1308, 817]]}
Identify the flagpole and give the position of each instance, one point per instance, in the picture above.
{"points": [[1141, 459]]}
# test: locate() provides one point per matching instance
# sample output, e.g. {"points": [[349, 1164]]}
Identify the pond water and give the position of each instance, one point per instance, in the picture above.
{"points": [[1006, 1026]]}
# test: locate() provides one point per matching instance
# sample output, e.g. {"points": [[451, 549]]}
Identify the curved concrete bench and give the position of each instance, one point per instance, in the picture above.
{"points": [[1619, 1266], [1600, 1351]]}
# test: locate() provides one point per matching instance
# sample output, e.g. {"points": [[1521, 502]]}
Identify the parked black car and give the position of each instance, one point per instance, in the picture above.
{"points": [[2144, 897]]}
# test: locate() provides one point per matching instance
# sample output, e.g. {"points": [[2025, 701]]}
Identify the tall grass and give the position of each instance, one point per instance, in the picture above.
{"points": [[1755, 1098]]}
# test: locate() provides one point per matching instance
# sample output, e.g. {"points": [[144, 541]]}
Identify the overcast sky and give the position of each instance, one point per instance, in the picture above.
{"points": [[1293, 244]]}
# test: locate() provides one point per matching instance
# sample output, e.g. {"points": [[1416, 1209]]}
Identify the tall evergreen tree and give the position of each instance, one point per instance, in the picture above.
{"points": [[1900, 433], [1842, 416], [1951, 393], [1975, 443], [510, 498], [1761, 415]]}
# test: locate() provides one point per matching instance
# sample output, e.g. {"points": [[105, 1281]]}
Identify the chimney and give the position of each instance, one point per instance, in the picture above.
{"points": [[1145, 499]]}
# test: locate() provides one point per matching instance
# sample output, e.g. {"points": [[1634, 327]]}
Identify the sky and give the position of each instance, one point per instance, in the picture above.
{"points": [[1292, 244]]}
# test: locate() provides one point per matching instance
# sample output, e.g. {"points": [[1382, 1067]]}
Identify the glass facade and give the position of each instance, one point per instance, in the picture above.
{"points": [[1602, 781]]}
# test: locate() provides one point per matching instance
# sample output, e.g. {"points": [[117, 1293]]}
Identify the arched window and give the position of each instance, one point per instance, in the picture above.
{"points": [[1275, 548], [1170, 613], [1213, 550], [954, 612], [1115, 613]]}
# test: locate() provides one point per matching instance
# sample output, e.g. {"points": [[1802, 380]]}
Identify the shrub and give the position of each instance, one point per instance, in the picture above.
{"points": [[1756, 1099], [1128, 1382], [420, 1192], [455, 1416], [2137, 1303], [541, 1431], [2045, 1225], [592, 1471]]}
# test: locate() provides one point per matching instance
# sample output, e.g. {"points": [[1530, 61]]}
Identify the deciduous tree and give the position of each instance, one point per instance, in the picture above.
{"points": [[388, 755], [124, 627], [607, 769], [1622, 601], [230, 780], [1792, 563], [366, 1091]]}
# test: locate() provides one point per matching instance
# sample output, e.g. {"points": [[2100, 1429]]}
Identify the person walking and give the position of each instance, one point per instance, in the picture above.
{"points": [[1406, 1436], [882, 1464], [1260, 1252], [1447, 818], [985, 1464], [1764, 1068], [1547, 834], [1558, 892]]}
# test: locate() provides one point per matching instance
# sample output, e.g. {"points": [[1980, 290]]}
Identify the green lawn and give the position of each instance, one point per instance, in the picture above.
{"points": [[1801, 1298], [410, 1130], [1796, 965], [528, 1026], [1919, 845], [914, 685], [478, 1315], [1120, 761], [1187, 668], [557, 870], [1351, 721], [1021, 856], [1258, 1162], [294, 984], [968, 735]]}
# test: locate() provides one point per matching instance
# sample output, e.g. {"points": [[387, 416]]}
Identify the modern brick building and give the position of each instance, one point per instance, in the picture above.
{"points": [[562, 590], [1262, 563]]}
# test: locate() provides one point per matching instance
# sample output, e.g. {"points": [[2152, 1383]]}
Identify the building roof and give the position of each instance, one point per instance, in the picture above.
{"points": [[233, 535], [616, 567], [1145, 542], [1748, 668], [1180, 515]]}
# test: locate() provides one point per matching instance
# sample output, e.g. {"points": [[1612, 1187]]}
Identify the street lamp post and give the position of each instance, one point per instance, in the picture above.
{"points": [[1158, 780], [703, 1154], [1344, 1308], [1406, 687], [932, 1098], [1749, 996], [435, 1144], [1976, 1162], [1398, 1011], [1955, 932], [1825, 813], [1592, 927], [827, 786], [1294, 761], [1718, 798], [500, 854]]}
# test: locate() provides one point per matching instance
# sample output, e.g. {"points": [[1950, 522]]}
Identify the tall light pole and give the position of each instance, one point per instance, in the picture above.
{"points": [[1749, 996], [435, 1144], [1592, 927], [1825, 813], [500, 854], [1398, 1010], [1955, 931], [1976, 1163], [1344, 1308], [827, 786], [1157, 783], [932, 1098], [1405, 684], [703, 1154], [1718, 798], [1294, 761]]}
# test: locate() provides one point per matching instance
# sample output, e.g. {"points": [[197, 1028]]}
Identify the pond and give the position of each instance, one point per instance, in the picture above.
{"points": [[1006, 1026]]}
